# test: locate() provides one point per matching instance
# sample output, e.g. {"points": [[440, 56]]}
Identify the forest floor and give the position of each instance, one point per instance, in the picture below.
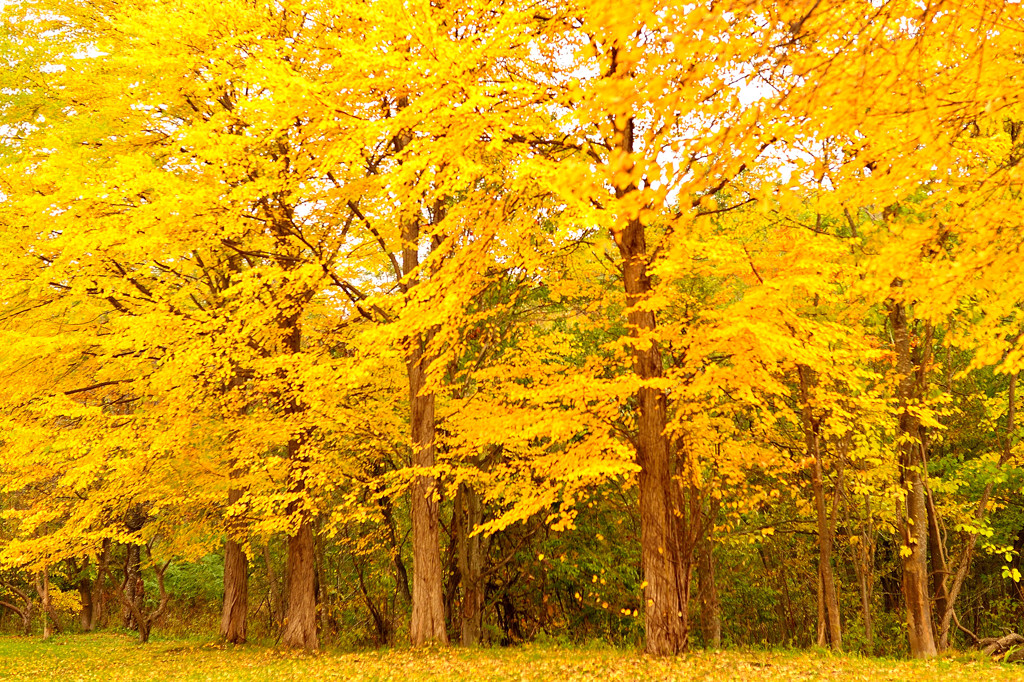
{"points": [[114, 657]]}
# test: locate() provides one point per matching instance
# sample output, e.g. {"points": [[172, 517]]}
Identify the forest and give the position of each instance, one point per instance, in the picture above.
{"points": [[383, 323]]}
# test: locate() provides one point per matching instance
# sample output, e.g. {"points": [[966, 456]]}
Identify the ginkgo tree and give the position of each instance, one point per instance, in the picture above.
{"points": [[681, 247]]}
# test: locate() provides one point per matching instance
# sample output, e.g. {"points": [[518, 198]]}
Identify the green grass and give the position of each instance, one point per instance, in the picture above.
{"points": [[117, 657]]}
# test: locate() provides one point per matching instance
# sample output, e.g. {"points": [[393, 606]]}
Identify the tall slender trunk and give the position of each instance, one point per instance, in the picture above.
{"points": [[939, 568], [863, 563], [299, 630], [914, 520], [707, 591], [666, 630], [235, 607], [427, 624], [320, 569], [829, 628], [233, 621], [401, 574], [50, 622], [665, 569], [47, 608], [472, 556], [707, 588]]}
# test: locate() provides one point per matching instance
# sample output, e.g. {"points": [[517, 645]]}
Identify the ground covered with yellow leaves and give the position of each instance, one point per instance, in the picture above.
{"points": [[117, 657]]}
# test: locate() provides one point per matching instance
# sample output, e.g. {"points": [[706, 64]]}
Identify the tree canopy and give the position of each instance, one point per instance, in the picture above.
{"points": [[491, 319]]}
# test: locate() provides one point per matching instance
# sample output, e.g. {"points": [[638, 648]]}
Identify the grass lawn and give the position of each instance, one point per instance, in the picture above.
{"points": [[112, 657]]}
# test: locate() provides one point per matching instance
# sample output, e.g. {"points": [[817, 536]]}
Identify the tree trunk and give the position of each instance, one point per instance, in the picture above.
{"points": [[299, 625], [233, 621], [320, 582], [84, 586], [665, 573], [822, 638], [299, 628], [914, 531], [401, 574], [472, 555], [50, 623], [134, 588], [300, 586], [144, 620], [427, 579], [98, 600], [829, 629], [427, 623], [707, 588], [939, 569], [666, 607], [85, 596], [863, 563], [914, 521]]}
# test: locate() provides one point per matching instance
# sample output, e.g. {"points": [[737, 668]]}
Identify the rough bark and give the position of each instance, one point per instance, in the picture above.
{"points": [[914, 520], [133, 588], [829, 629], [665, 573], [233, 620], [299, 625], [300, 587], [427, 579], [1003, 647], [666, 631], [427, 623]]}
